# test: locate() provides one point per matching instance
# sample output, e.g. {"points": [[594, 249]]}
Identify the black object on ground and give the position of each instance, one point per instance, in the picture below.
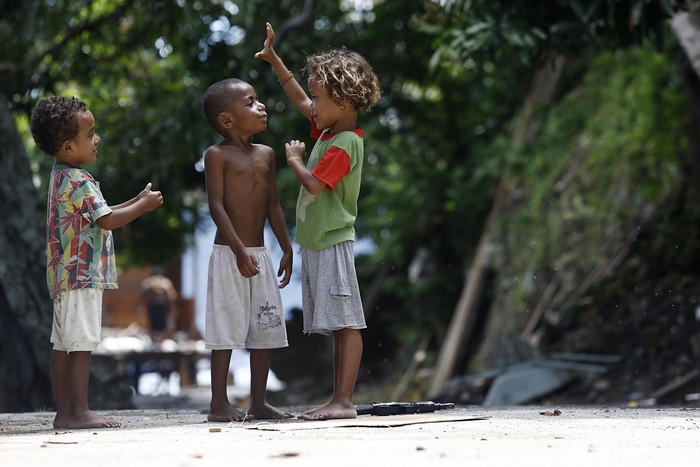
{"points": [[400, 408]]}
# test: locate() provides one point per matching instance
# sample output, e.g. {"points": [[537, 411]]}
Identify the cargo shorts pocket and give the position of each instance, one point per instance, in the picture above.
{"points": [[340, 301], [340, 292]]}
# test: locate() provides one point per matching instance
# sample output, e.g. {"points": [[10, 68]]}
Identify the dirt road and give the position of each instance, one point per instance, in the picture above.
{"points": [[465, 436]]}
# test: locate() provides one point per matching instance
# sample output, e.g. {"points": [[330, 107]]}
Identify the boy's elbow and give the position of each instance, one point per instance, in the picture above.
{"points": [[105, 222], [315, 188]]}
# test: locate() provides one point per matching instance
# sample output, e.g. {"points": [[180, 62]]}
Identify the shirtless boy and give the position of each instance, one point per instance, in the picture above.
{"points": [[244, 308]]}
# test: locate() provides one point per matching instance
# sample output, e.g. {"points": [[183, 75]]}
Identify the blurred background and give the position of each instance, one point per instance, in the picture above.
{"points": [[529, 216]]}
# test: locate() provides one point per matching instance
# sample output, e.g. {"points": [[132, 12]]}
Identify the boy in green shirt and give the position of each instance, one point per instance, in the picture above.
{"points": [[342, 85]]}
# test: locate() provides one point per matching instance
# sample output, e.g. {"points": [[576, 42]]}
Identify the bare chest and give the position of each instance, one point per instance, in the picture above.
{"points": [[247, 174]]}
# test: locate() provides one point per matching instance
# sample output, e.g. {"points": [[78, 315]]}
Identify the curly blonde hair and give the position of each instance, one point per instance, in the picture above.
{"points": [[346, 76]]}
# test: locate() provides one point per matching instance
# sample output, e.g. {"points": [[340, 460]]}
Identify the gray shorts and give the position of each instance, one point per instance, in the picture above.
{"points": [[330, 292], [243, 313]]}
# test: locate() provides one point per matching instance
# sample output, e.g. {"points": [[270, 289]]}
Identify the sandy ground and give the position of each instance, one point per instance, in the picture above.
{"points": [[464, 436]]}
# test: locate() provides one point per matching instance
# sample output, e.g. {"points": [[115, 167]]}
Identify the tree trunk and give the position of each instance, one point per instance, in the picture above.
{"points": [[25, 307], [686, 27]]}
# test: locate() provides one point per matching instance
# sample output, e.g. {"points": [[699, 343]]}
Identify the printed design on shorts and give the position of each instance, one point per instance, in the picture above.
{"points": [[268, 317]]}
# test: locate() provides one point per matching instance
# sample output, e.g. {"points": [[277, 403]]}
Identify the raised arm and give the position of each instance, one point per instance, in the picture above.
{"points": [[124, 213], [290, 85]]}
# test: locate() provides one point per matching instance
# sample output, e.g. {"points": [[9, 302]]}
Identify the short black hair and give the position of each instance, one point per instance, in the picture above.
{"points": [[214, 100], [54, 120]]}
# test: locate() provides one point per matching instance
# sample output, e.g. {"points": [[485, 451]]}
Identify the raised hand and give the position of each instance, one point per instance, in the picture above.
{"points": [[268, 52]]}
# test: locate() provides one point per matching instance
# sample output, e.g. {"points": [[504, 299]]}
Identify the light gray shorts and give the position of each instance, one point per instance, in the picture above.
{"points": [[77, 320], [330, 292], [243, 313]]}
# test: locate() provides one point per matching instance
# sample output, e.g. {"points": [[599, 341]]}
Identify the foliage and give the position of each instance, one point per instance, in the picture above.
{"points": [[608, 155], [532, 31], [429, 171]]}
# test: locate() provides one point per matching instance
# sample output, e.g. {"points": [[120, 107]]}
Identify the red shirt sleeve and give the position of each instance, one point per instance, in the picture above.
{"points": [[333, 166]]}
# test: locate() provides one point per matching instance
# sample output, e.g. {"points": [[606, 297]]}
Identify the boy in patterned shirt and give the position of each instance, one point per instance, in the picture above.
{"points": [[80, 252]]}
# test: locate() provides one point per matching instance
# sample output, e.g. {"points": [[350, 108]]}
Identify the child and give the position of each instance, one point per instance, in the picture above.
{"points": [[244, 308], [81, 261], [342, 85]]}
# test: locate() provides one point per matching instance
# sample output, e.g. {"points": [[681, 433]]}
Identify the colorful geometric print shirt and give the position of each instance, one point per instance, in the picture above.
{"points": [[80, 253]]}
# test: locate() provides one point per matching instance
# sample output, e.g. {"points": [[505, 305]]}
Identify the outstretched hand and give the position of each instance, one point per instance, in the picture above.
{"points": [[268, 51], [153, 199]]}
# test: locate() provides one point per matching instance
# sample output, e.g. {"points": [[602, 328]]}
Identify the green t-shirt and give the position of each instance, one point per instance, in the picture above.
{"points": [[328, 218]]}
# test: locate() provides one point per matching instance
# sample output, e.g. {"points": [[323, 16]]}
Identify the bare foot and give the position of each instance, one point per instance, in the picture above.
{"points": [[225, 413], [61, 421], [87, 419], [266, 411], [311, 412], [330, 410]]}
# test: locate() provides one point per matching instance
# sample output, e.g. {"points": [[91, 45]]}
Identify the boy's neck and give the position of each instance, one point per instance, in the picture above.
{"points": [[61, 161], [243, 141]]}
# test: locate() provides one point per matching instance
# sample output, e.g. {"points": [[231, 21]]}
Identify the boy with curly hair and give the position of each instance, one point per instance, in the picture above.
{"points": [[80, 252], [342, 85]]}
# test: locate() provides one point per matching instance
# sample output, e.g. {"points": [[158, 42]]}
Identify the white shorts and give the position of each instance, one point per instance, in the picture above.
{"points": [[77, 320], [243, 313]]}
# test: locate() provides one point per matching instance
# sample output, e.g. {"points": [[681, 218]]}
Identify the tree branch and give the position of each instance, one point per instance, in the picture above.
{"points": [[76, 32]]}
